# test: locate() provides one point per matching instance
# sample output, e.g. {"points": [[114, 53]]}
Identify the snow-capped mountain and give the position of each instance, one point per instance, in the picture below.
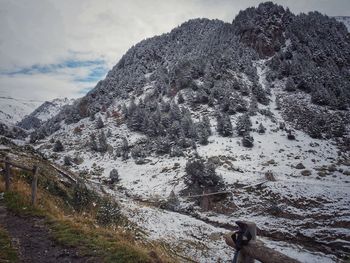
{"points": [[345, 20], [257, 109], [13, 110], [50, 108], [44, 112], [18, 115]]}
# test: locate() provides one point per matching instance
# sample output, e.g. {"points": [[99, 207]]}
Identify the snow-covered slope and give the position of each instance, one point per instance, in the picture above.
{"points": [[306, 201], [345, 20], [257, 109], [13, 110], [50, 108], [44, 112]]}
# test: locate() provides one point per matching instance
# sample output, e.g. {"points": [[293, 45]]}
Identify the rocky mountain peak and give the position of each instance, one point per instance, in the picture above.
{"points": [[210, 65], [44, 112], [262, 28]]}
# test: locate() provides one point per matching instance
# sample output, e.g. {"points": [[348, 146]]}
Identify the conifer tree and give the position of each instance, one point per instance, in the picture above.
{"points": [[93, 142], [206, 124], [99, 123], [224, 125], [243, 124], [102, 139], [58, 147], [203, 134], [124, 149]]}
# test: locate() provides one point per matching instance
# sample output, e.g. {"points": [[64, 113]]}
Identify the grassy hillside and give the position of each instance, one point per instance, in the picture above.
{"points": [[76, 215]]}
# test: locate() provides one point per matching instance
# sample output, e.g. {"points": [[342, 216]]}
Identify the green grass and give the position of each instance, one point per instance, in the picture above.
{"points": [[89, 241], [94, 243], [19, 205], [7, 252]]}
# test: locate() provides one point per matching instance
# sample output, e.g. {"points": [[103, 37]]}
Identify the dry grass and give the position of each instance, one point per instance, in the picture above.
{"points": [[113, 243]]}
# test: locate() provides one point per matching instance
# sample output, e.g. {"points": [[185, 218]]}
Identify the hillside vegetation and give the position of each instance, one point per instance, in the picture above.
{"points": [[257, 108], [76, 216]]}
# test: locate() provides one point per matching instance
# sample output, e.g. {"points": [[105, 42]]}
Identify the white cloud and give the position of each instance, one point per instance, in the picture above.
{"points": [[39, 32], [43, 86]]}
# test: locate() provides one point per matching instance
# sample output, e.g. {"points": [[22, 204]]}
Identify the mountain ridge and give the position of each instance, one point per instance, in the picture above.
{"points": [[345, 20], [259, 110], [212, 41], [14, 109], [44, 112]]}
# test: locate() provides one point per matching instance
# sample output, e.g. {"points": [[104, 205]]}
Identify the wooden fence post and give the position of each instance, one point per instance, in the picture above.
{"points": [[204, 202], [243, 257], [7, 174], [34, 184]]}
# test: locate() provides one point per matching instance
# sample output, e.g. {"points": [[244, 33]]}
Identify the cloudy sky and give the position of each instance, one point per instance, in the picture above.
{"points": [[51, 48]]}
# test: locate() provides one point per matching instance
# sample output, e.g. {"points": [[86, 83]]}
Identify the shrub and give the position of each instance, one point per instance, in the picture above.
{"points": [[77, 130], [124, 149], [82, 197], [180, 99], [290, 86], [176, 151], [243, 124], [99, 123], [67, 160], [163, 145], [172, 201], [270, 176], [58, 147], [306, 172], [137, 152], [261, 129], [201, 176], [114, 176], [290, 135], [224, 125], [108, 213], [248, 141]]}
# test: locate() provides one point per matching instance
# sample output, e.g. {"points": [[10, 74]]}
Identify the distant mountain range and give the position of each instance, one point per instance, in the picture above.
{"points": [[19, 116], [13, 110], [44, 112]]}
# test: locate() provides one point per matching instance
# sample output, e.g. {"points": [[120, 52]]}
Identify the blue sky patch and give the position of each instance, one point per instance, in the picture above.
{"points": [[95, 71], [95, 74], [94, 64]]}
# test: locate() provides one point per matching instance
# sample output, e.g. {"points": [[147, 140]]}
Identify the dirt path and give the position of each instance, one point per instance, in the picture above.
{"points": [[32, 239]]}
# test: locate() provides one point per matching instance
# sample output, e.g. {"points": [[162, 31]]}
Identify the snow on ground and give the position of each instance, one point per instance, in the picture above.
{"points": [[345, 20], [193, 238], [301, 204], [51, 108], [198, 240], [13, 110], [299, 253], [156, 178]]}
